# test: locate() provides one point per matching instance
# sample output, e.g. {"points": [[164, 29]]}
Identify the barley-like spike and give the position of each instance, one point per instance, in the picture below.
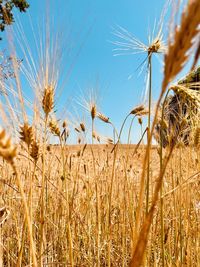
{"points": [[136, 110], [93, 111], [184, 35], [48, 100], [35, 150], [103, 117], [54, 128], [26, 134], [155, 46], [82, 126], [7, 150]]}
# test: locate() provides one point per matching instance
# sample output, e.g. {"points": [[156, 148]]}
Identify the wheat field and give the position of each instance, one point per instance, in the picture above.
{"points": [[89, 219], [101, 202]]}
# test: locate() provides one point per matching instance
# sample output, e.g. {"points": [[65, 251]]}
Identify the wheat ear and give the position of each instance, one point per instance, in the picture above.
{"points": [[48, 100], [26, 134], [183, 41]]}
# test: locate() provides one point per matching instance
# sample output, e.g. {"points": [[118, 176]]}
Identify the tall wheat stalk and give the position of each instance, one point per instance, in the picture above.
{"points": [[9, 152], [177, 50], [148, 132]]}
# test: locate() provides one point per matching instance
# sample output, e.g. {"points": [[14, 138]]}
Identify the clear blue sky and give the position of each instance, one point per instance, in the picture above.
{"points": [[86, 27]]}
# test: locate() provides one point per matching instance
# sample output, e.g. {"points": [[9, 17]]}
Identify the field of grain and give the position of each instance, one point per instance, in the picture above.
{"points": [[100, 202], [89, 217]]}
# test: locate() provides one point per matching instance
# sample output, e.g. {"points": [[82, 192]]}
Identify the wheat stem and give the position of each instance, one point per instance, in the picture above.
{"points": [[148, 132]]}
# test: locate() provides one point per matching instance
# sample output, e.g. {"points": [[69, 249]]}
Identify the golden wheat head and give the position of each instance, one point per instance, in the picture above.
{"points": [[26, 134], [48, 100], [34, 153], [7, 150], [54, 128], [103, 118], [137, 110], [183, 41]]}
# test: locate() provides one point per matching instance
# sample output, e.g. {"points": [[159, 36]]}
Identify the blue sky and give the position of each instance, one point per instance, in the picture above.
{"points": [[86, 27]]}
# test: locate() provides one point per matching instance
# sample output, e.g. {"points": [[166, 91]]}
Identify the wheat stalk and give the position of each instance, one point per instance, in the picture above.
{"points": [[9, 153], [174, 61]]}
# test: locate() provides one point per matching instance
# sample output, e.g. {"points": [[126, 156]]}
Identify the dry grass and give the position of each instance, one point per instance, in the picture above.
{"points": [[84, 205], [91, 220]]}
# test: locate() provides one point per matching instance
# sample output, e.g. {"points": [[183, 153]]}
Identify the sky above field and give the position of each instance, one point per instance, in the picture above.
{"points": [[84, 31]]}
